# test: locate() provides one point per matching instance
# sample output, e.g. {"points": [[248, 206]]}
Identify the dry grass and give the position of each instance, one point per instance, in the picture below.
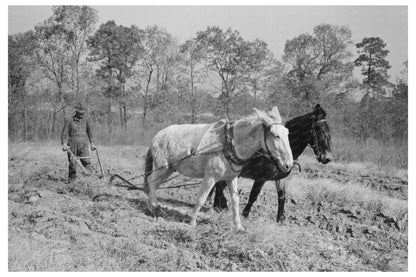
{"points": [[90, 225], [308, 159], [384, 156], [346, 150], [348, 194]]}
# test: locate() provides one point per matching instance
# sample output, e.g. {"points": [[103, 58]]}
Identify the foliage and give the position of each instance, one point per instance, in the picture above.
{"points": [[193, 73], [318, 63], [116, 49], [374, 65], [233, 59], [77, 24], [141, 78], [20, 66]]}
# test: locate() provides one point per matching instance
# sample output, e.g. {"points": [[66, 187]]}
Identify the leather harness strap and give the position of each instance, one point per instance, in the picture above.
{"points": [[315, 142], [266, 130], [229, 149]]}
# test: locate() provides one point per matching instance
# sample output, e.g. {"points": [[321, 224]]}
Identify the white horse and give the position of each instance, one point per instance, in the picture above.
{"points": [[196, 151]]}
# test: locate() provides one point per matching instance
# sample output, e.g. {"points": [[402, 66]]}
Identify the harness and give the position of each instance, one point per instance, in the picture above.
{"points": [[229, 149], [266, 131], [229, 145]]}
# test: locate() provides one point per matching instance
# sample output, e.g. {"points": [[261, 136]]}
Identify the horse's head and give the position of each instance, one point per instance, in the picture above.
{"points": [[321, 136], [276, 138]]}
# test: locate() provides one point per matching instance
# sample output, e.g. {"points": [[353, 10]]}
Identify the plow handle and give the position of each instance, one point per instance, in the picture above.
{"points": [[99, 162], [78, 162]]}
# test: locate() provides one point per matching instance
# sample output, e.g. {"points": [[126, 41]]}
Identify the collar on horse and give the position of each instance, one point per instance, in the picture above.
{"points": [[229, 149]]}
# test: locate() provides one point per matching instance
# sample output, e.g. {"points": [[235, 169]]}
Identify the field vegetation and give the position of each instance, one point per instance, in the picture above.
{"points": [[348, 215], [340, 217]]}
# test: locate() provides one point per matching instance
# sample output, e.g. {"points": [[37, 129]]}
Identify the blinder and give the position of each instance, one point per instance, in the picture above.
{"points": [[266, 131], [229, 150], [315, 142]]}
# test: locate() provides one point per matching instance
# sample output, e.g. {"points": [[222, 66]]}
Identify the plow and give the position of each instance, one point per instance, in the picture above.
{"points": [[128, 184], [83, 169], [111, 177]]}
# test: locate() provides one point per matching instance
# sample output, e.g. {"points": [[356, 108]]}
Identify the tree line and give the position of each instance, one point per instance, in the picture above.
{"points": [[143, 78]]}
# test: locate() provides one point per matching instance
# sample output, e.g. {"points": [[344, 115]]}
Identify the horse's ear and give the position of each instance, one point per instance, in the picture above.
{"points": [[275, 110], [262, 116], [319, 111], [275, 114], [258, 113]]}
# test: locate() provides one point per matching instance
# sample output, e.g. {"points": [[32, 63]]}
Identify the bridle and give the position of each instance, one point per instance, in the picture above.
{"points": [[266, 131], [315, 142], [229, 149]]}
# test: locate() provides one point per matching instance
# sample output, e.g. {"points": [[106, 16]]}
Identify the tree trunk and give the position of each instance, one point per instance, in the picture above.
{"points": [[62, 101], [120, 110], [157, 79], [46, 126], [109, 118], [145, 102], [193, 112], [125, 115], [227, 102], [368, 74], [144, 117], [24, 116], [53, 121], [77, 76], [123, 107], [255, 92], [24, 122]]}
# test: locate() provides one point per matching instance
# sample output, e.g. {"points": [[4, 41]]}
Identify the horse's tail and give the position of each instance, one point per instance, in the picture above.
{"points": [[148, 168]]}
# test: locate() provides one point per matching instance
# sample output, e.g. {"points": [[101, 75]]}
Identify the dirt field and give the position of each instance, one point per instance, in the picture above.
{"points": [[340, 217]]}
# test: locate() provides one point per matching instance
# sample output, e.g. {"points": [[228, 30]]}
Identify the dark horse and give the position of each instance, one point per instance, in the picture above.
{"points": [[311, 128]]}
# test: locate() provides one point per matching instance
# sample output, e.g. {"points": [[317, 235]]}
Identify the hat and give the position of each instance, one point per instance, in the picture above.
{"points": [[79, 108]]}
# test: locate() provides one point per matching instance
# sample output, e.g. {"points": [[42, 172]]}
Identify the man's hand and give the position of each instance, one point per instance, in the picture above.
{"points": [[93, 147], [65, 147]]}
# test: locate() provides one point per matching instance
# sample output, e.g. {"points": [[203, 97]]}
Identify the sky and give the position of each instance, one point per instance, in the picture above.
{"points": [[272, 24]]}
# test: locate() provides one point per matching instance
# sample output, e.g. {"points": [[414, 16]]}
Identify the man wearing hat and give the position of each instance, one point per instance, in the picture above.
{"points": [[74, 137]]}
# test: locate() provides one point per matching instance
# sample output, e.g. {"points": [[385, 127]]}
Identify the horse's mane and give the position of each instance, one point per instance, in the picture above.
{"points": [[257, 116], [251, 118]]}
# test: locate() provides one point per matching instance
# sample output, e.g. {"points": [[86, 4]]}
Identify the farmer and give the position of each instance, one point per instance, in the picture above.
{"points": [[74, 137]]}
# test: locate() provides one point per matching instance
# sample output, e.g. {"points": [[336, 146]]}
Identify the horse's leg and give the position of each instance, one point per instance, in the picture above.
{"points": [[232, 186], [155, 179], [220, 203], [281, 196], [255, 190], [204, 190]]}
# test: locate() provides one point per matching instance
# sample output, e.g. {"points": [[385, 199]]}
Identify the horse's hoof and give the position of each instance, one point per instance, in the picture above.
{"points": [[240, 228], [157, 212], [219, 209], [246, 213], [149, 212], [224, 207], [281, 219], [220, 206]]}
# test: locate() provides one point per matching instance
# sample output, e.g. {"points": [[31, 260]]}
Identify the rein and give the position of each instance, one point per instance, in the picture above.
{"points": [[229, 145]]}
